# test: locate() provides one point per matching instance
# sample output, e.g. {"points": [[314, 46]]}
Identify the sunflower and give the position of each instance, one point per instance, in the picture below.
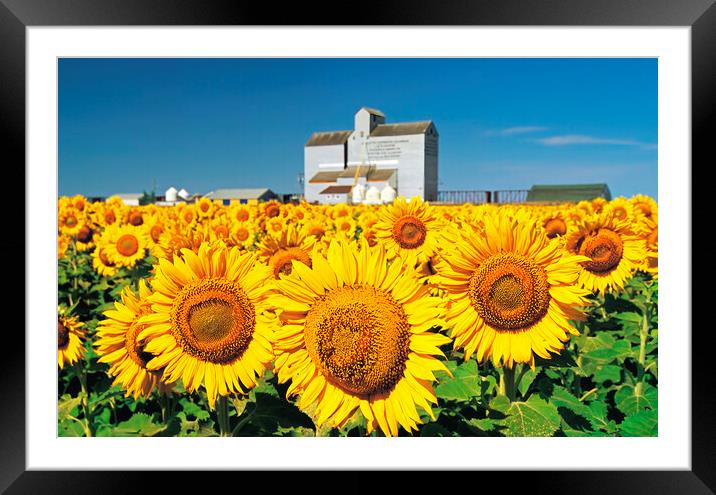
{"points": [[102, 264], [357, 334], [242, 213], [345, 227], [118, 346], [272, 209], [135, 217], [171, 242], [63, 242], [70, 338], [409, 230], [613, 249], [243, 234], [279, 252], [209, 323], [554, 224], [125, 245], [650, 234], [510, 292], [644, 206], [204, 207], [70, 221], [84, 240]]}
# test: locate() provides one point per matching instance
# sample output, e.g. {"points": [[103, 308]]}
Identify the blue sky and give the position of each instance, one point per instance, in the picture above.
{"points": [[202, 124]]}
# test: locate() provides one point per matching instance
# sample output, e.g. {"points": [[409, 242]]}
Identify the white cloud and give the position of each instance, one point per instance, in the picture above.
{"points": [[568, 139], [511, 131]]}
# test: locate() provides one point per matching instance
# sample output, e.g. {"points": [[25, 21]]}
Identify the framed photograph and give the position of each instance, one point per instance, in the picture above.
{"points": [[638, 78]]}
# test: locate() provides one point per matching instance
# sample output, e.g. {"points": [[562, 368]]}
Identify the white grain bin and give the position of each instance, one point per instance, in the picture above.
{"points": [[183, 194], [387, 195], [358, 194], [170, 194], [372, 196]]}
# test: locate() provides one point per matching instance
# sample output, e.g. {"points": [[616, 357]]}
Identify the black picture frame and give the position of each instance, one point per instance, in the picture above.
{"points": [[16, 15]]}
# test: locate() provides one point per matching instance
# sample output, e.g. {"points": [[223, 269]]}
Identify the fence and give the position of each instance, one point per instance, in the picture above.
{"points": [[480, 197]]}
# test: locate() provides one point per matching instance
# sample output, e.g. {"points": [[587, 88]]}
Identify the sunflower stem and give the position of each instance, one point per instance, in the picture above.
{"points": [[222, 415], [82, 376], [643, 335], [509, 383]]}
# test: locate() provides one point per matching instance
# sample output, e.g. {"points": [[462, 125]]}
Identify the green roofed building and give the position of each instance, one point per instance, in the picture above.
{"points": [[568, 193]]}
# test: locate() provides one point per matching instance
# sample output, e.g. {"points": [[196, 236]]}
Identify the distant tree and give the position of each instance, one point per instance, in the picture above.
{"points": [[148, 198]]}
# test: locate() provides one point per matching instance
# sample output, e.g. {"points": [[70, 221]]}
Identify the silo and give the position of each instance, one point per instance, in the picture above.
{"points": [[358, 194], [372, 196], [170, 194], [387, 195]]}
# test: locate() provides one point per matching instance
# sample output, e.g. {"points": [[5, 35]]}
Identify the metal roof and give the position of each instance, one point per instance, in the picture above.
{"points": [[350, 171], [367, 171], [337, 190], [129, 195], [373, 111], [325, 176], [328, 138], [401, 129], [568, 192], [245, 193], [380, 175]]}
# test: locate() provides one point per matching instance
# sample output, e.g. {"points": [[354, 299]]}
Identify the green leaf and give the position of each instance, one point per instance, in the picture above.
{"points": [[629, 402], [563, 360], [140, 424], [434, 430], [464, 385], [641, 424], [527, 378], [608, 372], [534, 418], [66, 406], [629, 317], [562, 398], [500, 403]]}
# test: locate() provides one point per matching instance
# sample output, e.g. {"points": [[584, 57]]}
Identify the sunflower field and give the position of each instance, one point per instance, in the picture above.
{"points": [[406, 319]]}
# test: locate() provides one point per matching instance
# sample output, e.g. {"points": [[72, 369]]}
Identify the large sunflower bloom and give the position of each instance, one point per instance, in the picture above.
{"points": [[70, 338], [209, 323], [409, 230], [356, 335], [613, 249], [511, 292], [118, 346]]}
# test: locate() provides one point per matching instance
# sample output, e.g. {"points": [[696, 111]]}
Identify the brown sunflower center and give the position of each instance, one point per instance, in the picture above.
{"points": [[272, 210], [221, 231], [136, 219], [70, 221], [645, 209], [84, 235], [103, 258], [409, 232], [127, 245], [605, 248], [317, 231], [188, 216], [63, 336], [620, 212], [653, 238], [359, 337], [109, 217], [510, 292], [134, 349], [155, 232], [242, 215], [555, 227], [204, 206], [242, 234], [281, 261], [213, 320]]}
